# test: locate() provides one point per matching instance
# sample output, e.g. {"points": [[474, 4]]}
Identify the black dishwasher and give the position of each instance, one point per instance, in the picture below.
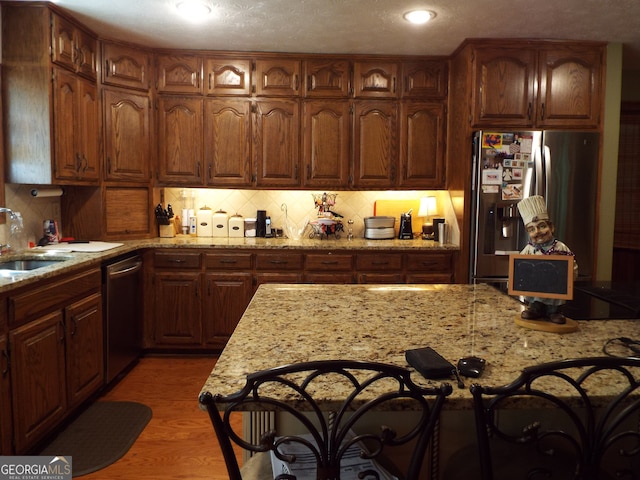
{"points": [[122, 283]]}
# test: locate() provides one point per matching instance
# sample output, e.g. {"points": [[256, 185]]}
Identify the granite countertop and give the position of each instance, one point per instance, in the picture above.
{"points": [[78, 260], [294, 323]]}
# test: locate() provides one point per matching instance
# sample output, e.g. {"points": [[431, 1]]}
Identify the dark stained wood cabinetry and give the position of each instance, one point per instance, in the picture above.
{"points": [[327, 78], [278, 77], [228, 76], [50, 98], [179, 74], [375, 144], [76, 120], [73, 47], [57, 361], [6, 416], [376, 79], [425, 79], [557, 85], [125, 66], [127, 135]]}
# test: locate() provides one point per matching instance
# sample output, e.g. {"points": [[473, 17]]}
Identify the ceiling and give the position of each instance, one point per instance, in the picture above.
{"points": [[361, 26]]}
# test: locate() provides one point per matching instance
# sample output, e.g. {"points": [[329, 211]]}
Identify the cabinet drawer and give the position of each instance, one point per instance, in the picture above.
{"points": [[429, 278], [279, 261], [329, 262], [176, 260], [379, 262], [227, 261], [429, 263], [39, 300]]}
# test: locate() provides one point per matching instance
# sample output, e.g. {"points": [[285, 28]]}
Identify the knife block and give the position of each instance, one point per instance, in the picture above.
{"points": [[168, 231]]}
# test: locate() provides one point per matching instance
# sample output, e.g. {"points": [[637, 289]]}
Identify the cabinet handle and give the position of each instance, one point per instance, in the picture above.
{"points": [[108, 164], [329, 262], [296, 82], [209, 288], [198, 169], [542, 111], [177, 260], [74, 324], [228, 261], [529, 111], [78, 162], [308, 172], [61, 323], [5, 367], [381, 262], [278, 262], [106, 67], [210, 171], [295, 172], [394, 84]]}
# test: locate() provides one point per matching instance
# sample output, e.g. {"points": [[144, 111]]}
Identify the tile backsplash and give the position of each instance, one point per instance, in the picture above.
{"points": [[297, 205]]}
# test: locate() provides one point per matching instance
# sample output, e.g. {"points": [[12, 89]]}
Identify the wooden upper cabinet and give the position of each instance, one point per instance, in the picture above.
{"points": [[277, 78], [73, 47], [425, 79], [227, 140], [570, 86], [126, 136], [125, 66], [180, 139], [327, 78], [276, 142], [568, 78], [376, 79], [225, 76], [179, 74], [422, 145], [326, 143], [503, 93], [375, 144], [76, 127]]}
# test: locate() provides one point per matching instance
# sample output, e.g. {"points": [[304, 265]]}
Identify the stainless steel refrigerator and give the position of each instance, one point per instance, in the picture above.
{"points": [[509, 166]]}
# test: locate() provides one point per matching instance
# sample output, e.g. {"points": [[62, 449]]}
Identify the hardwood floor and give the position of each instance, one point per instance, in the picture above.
{"points": [[178, 442]]}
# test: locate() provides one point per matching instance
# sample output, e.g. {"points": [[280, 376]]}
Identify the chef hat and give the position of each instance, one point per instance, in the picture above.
{"points": [[533, 209]]}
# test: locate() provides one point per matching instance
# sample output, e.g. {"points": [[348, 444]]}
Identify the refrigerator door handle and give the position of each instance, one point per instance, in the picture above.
{"points": [[547, 172]]}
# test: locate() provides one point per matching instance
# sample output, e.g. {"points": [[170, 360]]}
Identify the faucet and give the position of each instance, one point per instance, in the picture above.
{"points": [[15, 228]]}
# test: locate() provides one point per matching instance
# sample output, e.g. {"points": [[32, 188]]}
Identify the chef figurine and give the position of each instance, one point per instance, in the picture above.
{"points": [[533, 211]]}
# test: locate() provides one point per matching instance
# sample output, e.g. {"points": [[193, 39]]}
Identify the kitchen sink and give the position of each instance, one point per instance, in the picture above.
{"points": [[11, 267]]}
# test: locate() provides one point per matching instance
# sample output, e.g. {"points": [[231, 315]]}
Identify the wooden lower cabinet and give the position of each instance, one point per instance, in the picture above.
{"points": [[226, 298], [38, 378], [57, 359], [6, 420], [196, 297]]}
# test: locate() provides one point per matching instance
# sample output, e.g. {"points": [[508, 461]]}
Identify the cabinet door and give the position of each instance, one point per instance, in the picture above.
{"points": [[88, 137], [86, 54], [277, 78], [38, 379], [327, 78], [570, 87], [375, 79], [375, 144], [276, 143], [425, 79], [180, 140], [84, 349], [125, 66], [62, 41], [228, 76], [503, 91], [67, 160], [127, 136], [127, 211], [422, 152], [326, 142], [177, 303], [226, 298], [179, 74], [227, 126], [6, 416]]}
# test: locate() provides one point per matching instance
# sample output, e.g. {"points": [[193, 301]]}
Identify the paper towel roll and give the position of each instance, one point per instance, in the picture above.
{"points": [[46, 192]]}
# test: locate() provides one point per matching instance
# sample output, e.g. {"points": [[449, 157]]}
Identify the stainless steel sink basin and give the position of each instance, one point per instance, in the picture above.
{"points": [[27, 264]]}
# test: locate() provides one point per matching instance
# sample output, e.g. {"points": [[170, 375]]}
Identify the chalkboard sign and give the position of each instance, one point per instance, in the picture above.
{"points": [[544, 276]]}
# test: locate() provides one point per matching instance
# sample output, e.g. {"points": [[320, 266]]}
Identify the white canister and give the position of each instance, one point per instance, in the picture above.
{"points": [[204, 227], [250, 227], [220, 221], [236, 226]]}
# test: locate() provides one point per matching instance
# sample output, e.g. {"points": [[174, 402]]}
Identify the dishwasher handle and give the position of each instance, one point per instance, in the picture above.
{"points": [[124, 270]]}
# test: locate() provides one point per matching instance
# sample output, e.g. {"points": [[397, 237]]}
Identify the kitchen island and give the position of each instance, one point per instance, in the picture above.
{"points": [[294, 323]]}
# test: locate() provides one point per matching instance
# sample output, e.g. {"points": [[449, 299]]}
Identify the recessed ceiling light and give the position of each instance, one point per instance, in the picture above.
{"points": [[193, 8], [419, 16]]}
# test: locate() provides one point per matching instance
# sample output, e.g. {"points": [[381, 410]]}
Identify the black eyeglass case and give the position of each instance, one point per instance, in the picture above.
{"points": [[429, 363]]}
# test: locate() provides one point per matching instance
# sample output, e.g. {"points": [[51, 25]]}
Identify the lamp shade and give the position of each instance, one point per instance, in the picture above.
{"points": [[427, 207]]}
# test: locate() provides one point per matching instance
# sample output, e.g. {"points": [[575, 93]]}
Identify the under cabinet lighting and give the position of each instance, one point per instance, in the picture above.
{"points": [[419, 16]]}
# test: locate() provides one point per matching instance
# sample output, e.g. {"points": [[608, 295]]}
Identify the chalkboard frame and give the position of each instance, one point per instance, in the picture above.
{"points": [[561, 289]]}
